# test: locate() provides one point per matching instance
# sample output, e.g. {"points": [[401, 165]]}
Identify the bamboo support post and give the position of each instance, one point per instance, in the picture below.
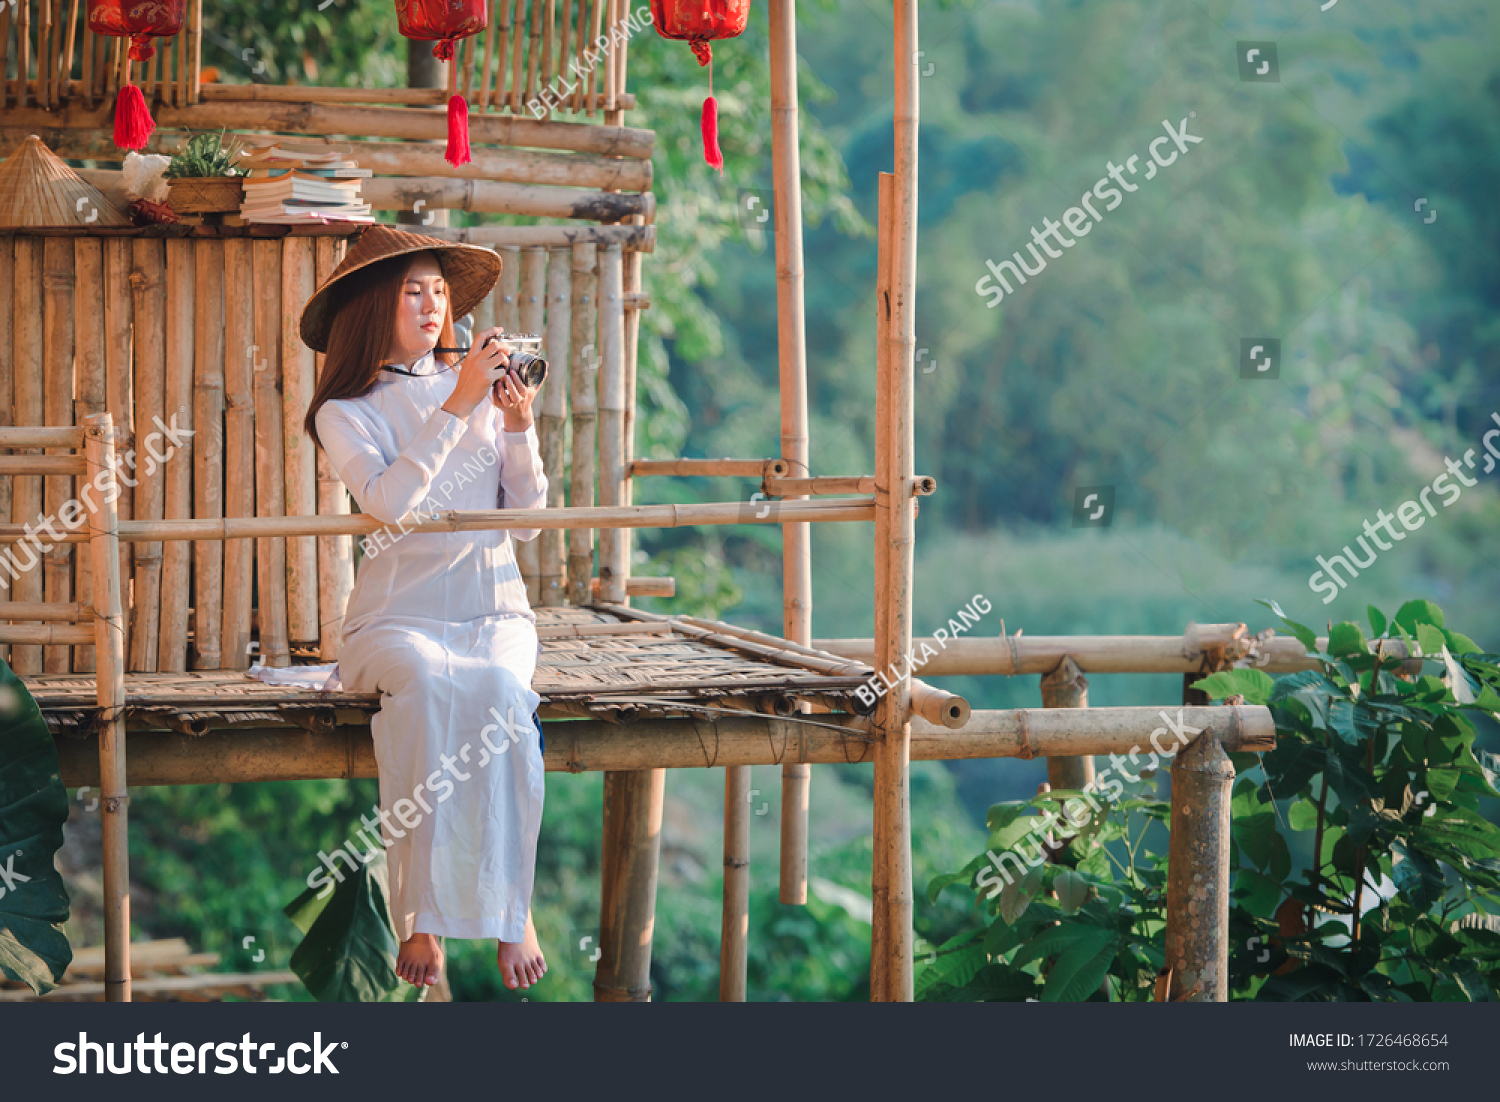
{"points": [[119, 393], [7, 347], [178, 469], [637, 586], [734, 937], [298, 379], [583, 404], [1066, 687], [90, 387], [1198, 878], [531, 300], [57, 408], [239, 452], [552, 422], [627, 912], [614, 543], [26, 501], [638, 237], [895, 526], [879, 929], [208, 450], [149, 304], [109, 647], [270, 456], [938, 705], [336, 552], [791, 347]]}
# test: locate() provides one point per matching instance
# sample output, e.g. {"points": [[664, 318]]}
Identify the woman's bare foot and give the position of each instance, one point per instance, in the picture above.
{"points": [[420, 961], [521, 962]]}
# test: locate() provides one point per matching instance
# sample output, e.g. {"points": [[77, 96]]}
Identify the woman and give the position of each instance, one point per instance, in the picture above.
{"points": [[438, 623]]}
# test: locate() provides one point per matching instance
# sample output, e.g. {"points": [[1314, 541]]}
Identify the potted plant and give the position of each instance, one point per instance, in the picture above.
{"points": [[202, 178]]}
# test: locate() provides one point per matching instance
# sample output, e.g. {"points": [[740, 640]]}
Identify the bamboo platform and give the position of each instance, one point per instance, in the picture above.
{"points": [[617, 665]]}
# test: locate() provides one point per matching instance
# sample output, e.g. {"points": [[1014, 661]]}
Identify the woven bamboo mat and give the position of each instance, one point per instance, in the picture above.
{"points": [[606, 661]]}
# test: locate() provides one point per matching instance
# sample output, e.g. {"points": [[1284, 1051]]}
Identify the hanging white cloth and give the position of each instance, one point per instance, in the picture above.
{"points": [[439, 624]]}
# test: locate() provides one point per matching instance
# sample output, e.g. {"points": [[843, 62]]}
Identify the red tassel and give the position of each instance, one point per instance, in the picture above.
{"points": [[711, 152], [458, 131], [133, 121]]}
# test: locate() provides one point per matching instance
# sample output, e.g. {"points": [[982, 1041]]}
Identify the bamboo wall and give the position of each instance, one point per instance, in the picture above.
{"points": [[201, 333], [529, 48]]}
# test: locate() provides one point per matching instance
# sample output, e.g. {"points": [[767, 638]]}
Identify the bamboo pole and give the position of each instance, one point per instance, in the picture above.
{"points": [[614, 548], [155, 79], [149, 308], [531, 301], [563, 55], [5, 10], [72, 612], [57, 389], [298, 378], [710, 468], [48, 634], [44, 54], [632, 848], [195, 67], [312, 120], [582, 378], [53, 466], [534, 49], [827, 484], [486, 101], [335, 553], [239, 451], [549, 30], [631, 237], [119, 397], [23, 59], [879, 944], [637, 586], [72, 37], [252, 754], [270, 453], [7, 349], [208, 450], [552, 423], [632, 347], [734, 937], [478, 520], [791, 341], [1066, 687], [42, 436], [1012, 655], [518, 33], [612, 20], [178, 470], [892, 762], [109, 626], [1197, 948], [88, 341]]}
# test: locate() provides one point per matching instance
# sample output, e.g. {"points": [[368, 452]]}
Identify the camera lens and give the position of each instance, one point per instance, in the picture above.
{"points": [[529, 367]]}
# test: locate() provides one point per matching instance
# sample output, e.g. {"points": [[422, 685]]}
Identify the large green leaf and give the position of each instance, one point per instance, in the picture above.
{"points": [[1254, 685], [349, 951], [1081, 967], [33, 808]]}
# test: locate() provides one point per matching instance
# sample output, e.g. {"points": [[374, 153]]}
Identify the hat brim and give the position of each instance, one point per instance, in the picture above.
{"points": [[471, 272]]}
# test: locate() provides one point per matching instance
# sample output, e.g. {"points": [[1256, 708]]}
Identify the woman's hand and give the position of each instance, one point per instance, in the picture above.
{"points": [[514, 400], [481, 367]]}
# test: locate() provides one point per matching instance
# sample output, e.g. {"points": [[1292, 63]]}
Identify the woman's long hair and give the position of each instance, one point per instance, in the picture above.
{"points": [[364, 323]]}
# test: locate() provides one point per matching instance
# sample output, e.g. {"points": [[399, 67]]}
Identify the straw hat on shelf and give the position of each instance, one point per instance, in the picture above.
{"points": [[38, 189]]}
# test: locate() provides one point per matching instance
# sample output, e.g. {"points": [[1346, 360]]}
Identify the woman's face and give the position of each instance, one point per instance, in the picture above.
{"points": [[421, 309]]}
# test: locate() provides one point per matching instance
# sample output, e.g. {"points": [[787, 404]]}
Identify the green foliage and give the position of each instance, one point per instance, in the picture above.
{"points": [[33, 808], [349, 950], [204, 155], [1378, 773]]}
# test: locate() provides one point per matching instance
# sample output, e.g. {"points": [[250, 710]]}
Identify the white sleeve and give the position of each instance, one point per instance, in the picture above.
{"points": [[387, 493], [523, 483]]}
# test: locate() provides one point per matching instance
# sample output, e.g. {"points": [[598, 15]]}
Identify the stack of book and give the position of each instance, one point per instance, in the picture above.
{"points": [[300, 186]]}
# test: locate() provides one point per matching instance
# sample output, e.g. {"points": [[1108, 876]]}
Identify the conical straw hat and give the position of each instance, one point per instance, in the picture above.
{"points": [[471, 272], [38, 189]]}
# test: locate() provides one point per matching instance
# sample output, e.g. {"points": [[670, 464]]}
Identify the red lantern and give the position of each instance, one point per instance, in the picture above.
{"points": [[698, 22], [140, 21], [446, 21]]}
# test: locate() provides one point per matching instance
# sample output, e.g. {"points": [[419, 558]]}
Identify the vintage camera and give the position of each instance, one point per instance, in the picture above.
{"points": [[527, 362]]}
